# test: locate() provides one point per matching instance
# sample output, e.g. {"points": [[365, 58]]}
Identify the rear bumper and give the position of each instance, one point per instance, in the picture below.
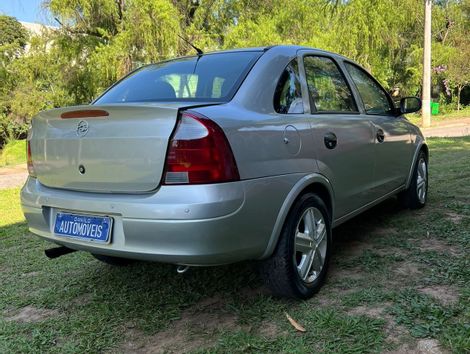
{"points": [[193, 225]]}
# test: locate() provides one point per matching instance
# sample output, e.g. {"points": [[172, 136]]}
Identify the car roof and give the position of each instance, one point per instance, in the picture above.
{"points": [[284, 49]]}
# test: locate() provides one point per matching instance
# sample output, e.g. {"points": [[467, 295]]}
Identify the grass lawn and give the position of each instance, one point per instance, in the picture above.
{"points": [[399, 281], [442, 117], [13, 153]]}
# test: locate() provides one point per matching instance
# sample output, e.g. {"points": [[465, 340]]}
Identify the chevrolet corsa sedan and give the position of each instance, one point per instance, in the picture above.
{"points": [[246, 154]]}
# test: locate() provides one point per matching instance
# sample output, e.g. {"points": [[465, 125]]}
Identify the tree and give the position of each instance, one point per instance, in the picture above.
{"points": [[458, 71], [13, 38], [12, 32]]}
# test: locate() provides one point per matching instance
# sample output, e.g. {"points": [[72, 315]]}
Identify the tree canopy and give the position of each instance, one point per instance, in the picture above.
{"points": [[12, 32]]}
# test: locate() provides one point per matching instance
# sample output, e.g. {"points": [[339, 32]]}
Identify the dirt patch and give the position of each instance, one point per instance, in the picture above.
{"points": [[6, 171], [163, 342], [385, 231], [432, 244], [374, 312], [340, 282], [11, 177], [30, 274], [248, 292], [325, 297], [454, 217], [423, 346], [407, 269], [397, 336], [402, 349], [335, 272], [193, 331], [354, 248], [269, 329], [81, 300], [30, 314], [429, 346], [444, 294], [391, 251]]}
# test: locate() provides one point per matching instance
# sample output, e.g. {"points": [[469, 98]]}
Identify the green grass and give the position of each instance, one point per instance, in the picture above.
{"points": [[13, 153], [441, 117], [377, 296]]}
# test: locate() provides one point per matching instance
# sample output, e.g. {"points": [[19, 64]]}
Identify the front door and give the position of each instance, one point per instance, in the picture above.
{"points": [[393, 147]]}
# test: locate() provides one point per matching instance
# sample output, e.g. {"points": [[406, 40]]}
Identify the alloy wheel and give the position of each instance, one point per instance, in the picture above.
{"points": [[310, 245], [421, 180]]}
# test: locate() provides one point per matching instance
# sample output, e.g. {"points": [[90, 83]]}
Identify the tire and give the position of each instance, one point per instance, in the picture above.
{"points": [[416, 195], [114, 261], [287, 272]]}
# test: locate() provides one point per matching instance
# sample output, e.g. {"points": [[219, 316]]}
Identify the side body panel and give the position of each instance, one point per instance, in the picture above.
{"points": [[264, 142], [393, 156], [348, 167]]}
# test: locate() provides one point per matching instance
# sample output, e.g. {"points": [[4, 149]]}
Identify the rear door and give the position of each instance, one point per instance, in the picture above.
{"points": [[343, 138], [392, 140]]}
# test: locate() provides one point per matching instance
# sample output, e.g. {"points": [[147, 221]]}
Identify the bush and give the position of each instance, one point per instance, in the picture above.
{"points": [[13, 153], [11, 129]]}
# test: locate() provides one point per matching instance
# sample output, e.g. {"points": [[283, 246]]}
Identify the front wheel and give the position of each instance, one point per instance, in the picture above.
{"points": [[415, 196], [298, 266]]}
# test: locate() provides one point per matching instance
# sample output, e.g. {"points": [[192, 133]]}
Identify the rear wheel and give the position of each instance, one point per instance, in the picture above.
{"points": [[298, 266], [114, 261], [415, 196]]}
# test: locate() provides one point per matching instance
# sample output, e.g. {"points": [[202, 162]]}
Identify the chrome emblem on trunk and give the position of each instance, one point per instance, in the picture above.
{"points": [[82, 128]]}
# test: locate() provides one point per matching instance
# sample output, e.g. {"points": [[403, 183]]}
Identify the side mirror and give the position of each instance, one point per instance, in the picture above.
{"points": [[409, 105]]}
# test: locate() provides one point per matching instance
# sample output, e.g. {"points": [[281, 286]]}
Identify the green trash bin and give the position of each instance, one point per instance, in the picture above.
{"points": [[434, 108]]}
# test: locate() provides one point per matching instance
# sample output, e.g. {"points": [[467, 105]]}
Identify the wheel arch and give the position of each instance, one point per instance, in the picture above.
{"points": [[425, 148], [422, 146], [314, 183]]}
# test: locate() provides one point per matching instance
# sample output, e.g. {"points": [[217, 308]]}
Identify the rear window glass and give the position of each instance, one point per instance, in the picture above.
{"points": [[288, 94], [211, 77]]}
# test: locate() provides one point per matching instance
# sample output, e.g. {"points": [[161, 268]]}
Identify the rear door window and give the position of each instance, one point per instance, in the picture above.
{"points": [[328, 89], [210, 77]]}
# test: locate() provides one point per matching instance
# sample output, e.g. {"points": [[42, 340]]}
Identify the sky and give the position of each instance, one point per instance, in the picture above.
{"points": [[26, 10]]}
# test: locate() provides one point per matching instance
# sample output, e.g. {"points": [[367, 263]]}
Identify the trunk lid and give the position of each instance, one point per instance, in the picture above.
{"points": [[123, 151]]}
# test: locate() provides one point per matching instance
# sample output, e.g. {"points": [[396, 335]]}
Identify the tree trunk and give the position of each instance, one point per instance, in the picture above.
{"points": [[459, 90]]}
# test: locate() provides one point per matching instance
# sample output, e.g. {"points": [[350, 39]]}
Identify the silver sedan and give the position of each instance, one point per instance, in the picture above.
{"points": [[246, 154]]}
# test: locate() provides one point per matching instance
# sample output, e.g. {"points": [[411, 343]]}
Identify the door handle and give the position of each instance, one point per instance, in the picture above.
{"points": [[380, 135], [330, 140]]}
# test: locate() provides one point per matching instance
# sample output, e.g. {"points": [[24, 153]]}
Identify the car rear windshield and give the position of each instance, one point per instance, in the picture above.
{"points": [[210, 77]]}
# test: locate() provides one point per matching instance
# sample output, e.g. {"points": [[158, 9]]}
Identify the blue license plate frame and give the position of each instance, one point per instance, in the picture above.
{"points": [[83, 227]]}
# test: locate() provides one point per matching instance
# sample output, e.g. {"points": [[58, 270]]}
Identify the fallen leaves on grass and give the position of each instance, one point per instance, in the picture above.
{"points": [[295, 324]]}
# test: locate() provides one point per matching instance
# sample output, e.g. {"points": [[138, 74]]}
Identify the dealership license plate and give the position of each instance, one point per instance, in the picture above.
{"points": [[83, 227]]}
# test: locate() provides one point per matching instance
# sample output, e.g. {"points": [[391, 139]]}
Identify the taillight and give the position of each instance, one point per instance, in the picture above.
{"points": [[199, 153], [29, 160]]}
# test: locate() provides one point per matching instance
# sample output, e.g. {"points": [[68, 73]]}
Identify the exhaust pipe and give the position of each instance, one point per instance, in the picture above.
{"points": [[56, 252], [182, 269]]}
